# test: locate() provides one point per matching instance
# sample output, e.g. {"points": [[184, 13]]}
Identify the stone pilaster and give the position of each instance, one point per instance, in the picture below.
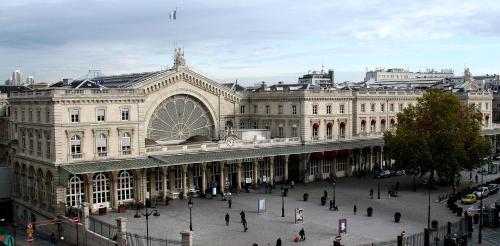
{"points": [[86, 215], [255, 172], [271, 169], [184, 181], [89, 189], [285, 171], [320, 171], [121, 231], [304, 160], [221, 177], [114, 190], [238, 176], [164, 182], [203, 177], [60, 200]]}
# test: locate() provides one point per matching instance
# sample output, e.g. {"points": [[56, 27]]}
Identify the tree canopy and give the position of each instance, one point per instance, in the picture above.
{"points": [[440, 133]]}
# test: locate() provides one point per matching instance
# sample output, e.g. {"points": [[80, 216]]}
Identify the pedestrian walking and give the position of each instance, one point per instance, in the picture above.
{"points": [[325, 193], [335, 208], [355, 209], [331, 204], [53, 239], [292, 184], [278, 242], [470, 176], [245, 227], [397, 186], [230, 202], [476, 178], [242, 214], [371, 193], [227, 219], [302, 234]]}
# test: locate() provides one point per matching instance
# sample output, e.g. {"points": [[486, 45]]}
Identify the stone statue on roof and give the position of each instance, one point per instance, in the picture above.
{"points": [[179, 58]]}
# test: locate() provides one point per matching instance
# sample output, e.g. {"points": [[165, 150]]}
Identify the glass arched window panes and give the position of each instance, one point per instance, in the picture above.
{"points": [[342, 130], [76, 151], [75, 191], [372, 126], [329, 130], [100, 193], [125, 186], [126, 143], [102, 144]]}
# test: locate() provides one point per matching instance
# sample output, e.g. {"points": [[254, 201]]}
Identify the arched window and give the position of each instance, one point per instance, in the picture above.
{"points": [[100, 188], [315, 131], [382, 125], [392, 123], [39, 184], [329, 130], [372, 126], [126, 143], [102, 144], [50, 191], [125, 186], [32, 186], [76, 150], [363, 126], [75, 194], [342, 130]]}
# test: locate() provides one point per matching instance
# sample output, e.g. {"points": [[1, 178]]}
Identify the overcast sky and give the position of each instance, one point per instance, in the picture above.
{"points": [[250, 40]]}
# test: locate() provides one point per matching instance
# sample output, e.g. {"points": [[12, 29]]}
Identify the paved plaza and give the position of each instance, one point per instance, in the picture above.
{"points": [[320, 224]]}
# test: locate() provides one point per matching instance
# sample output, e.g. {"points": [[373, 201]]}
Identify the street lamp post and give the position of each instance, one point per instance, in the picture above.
{"points": [[282, 201], [190, 205], [480, 235], [378, 187], [147, 214], [334, 184]]}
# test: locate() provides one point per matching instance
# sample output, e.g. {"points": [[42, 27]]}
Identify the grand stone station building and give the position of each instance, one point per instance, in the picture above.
{"points": [[168, 133]]}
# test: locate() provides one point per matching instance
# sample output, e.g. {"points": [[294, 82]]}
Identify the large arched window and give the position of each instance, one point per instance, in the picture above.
{"points": [[32, 186], [75, 193], [102, 144], [126, 143], [76, 147], [39, 185], [393, 122], [372, 126], [342, 130], [329, 130], [382, 125], [363, 126], [100, 193], [125, 186], [315, 131]]}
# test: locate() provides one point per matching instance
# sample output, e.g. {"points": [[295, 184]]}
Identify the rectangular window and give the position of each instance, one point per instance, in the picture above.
{"points": [[48, 144], [280, 132], [372, 107], [255, 125], [294, 109], [255, 109], [363, 108], [125, 114], [242, 109], [178, 177], [242, 125], [38, 116], [328, 109], [30, 115], [400, 107], [315, 109], [382, 107], [22, 115], [280, 109], [391, 107], [248, 169], [294, 131], [101, 114], [340, 164], [75, 116], [341, 109], [327, 165], [47, 116], [268, 109]]}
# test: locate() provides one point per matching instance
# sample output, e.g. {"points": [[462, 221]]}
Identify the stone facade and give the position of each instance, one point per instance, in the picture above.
{"points": [[106, 134]]}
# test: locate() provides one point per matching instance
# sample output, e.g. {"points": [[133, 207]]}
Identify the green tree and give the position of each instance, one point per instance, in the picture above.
{"points": [[439, 135]]}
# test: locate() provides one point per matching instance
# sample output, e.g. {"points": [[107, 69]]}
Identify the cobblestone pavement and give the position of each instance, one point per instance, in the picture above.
{"points": [[320, 224]]}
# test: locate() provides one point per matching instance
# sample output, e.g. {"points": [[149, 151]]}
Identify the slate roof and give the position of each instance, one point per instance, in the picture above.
{"points": [[13, 88]]}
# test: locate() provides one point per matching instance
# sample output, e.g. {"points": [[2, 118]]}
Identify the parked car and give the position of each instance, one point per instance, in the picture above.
{"points": [[383, 174], [493, 188], [469, 199], [482, 192]]}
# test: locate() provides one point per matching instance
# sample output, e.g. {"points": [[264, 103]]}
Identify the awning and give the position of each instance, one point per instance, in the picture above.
{"points": [[317, 156], [345, 153], [330, 154], [329, 125], [373, 122], [315, 125]]}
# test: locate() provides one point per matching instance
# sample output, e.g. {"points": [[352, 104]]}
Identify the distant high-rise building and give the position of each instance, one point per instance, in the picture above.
{"points": [[30, 80], [16, 78]]}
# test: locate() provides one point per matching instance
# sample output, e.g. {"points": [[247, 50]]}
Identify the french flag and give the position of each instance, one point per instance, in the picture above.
{"points": [[173, 15]]}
